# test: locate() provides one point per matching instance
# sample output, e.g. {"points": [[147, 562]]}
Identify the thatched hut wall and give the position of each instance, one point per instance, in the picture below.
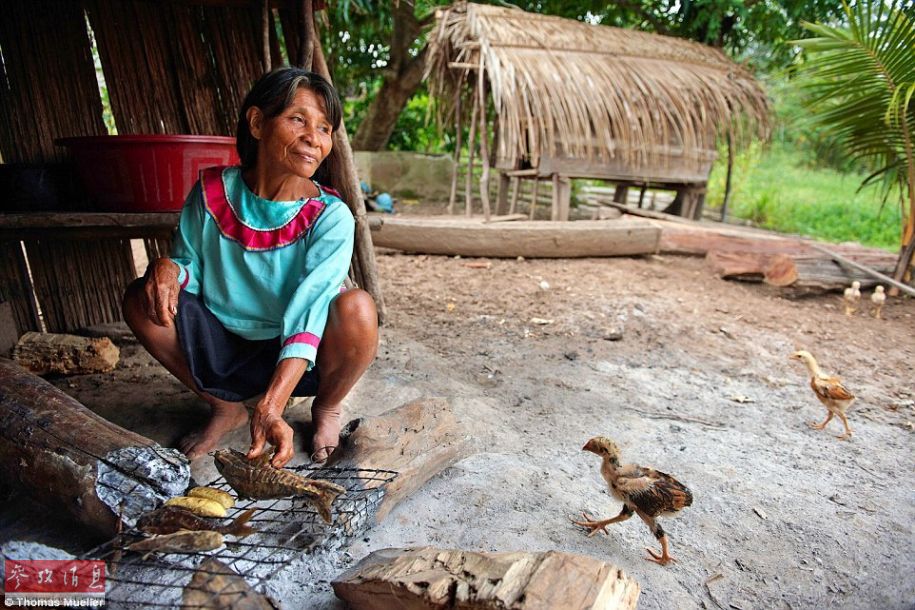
{"points": [[611, 102]]}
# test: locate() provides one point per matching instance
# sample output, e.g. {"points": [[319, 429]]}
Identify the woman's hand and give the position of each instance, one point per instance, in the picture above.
{"points": [[267, 423], [162, 291], [268, 426]]}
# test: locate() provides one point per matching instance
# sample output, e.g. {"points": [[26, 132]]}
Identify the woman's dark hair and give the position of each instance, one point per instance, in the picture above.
{"points": [[273, 93]]}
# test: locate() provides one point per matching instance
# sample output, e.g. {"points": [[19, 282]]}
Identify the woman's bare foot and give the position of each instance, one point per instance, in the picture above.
{"points": [[326, 422], [225, 417]]}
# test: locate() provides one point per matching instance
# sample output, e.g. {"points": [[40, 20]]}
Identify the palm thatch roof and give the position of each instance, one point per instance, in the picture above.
{"points": [[566, 88]]}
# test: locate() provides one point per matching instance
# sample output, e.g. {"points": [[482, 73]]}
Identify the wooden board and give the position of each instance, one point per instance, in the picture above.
{"points": [[531, 239], [429, 579]]}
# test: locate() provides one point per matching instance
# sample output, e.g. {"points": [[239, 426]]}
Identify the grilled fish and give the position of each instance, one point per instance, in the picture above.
{"points": [[258, 480], [217, 587], [183, 541], [170, 519]]}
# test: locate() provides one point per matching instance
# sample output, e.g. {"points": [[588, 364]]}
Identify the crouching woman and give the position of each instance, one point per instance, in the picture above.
{"points": [[252, 301]]}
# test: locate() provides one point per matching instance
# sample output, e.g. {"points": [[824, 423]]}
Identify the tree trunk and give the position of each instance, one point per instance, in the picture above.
{"points": [[55, 450], [400, 82]]}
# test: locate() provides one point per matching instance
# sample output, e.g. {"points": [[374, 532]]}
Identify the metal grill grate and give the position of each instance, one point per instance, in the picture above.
{"points": [[285, 529]]}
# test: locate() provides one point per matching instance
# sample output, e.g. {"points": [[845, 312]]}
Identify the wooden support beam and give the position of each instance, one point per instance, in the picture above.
{"points": [[345, 179], [458, 129], [484, 141], [468, 184], [516, 186], [534, 196], [502, 197]]}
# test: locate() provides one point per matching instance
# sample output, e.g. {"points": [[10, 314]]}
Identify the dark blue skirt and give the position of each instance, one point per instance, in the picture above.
{"points": [[225, 365]]}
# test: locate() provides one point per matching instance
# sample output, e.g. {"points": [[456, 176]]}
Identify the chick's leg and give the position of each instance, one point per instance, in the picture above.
{"points": [[664, 558], [822, 425], [596, 526], [848, 431]]}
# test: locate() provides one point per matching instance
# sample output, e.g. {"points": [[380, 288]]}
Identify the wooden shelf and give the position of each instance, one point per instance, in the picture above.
{"points": [[82, 225]]}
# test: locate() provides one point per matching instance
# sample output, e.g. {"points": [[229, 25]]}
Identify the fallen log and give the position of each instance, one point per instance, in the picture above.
{"points": [[745, 266], [43, 353], [527, 238], [69, 459], [417, 440], [429, 579], [810, 275]]}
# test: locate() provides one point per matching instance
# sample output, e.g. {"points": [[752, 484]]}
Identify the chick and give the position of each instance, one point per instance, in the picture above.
{"points": [[829, 390], [851, 297], [643, 491], [878, 299]]}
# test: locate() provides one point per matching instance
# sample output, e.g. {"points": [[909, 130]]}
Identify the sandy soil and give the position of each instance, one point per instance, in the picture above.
{"points": [[688, 373]]}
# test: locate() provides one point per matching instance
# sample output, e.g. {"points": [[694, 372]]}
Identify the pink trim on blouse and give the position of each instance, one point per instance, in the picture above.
{"points": [[310, 339], [217, 203]]}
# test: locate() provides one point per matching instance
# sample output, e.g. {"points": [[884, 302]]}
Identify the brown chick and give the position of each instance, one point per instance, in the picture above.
{"points": [[829, 390], [644, 491]]}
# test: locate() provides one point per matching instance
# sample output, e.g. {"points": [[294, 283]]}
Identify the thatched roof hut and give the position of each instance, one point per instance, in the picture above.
{"points": [[583, 100]]}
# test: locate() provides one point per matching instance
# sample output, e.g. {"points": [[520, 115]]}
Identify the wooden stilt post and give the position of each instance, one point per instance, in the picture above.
{"points": [[457, 147], [344, 179], [516, 186], [468, 184], [502, 198], [554, 213], [484, 142], [534, 196], [306, 35]]}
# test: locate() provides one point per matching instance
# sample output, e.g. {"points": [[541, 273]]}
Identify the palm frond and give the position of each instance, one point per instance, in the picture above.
{"points": [[860, 83]]}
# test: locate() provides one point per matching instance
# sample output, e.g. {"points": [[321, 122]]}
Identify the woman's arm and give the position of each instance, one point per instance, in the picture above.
{"points": [[327, 261]]}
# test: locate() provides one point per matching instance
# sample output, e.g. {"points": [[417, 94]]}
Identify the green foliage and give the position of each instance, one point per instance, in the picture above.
{"points": [[773, 188], [816, 144], [858, 81]]}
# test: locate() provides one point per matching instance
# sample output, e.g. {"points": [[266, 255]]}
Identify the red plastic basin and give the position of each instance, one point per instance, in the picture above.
{"points": [[145, 173]]}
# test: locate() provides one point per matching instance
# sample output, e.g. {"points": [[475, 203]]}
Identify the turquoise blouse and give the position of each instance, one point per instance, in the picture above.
{"points": [[264, 268]]}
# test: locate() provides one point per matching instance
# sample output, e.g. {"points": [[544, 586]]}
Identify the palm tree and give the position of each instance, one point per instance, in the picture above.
{"points": [[860, 80]]}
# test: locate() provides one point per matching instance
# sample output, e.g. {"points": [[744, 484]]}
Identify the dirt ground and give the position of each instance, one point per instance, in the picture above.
{"points": [[688, 373]]}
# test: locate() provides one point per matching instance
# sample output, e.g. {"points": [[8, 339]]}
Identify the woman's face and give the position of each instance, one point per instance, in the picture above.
{"points": [[297, 140]]}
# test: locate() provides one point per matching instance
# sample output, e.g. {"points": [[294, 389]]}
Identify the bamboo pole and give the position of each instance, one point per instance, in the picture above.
{"points": [[484, 145], [346, 180], [265, 27], [468, 183], [457, 147], [845, 261]]}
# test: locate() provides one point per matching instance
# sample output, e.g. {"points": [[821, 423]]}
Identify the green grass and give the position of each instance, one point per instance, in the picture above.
{"points": [[774, 188]]}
